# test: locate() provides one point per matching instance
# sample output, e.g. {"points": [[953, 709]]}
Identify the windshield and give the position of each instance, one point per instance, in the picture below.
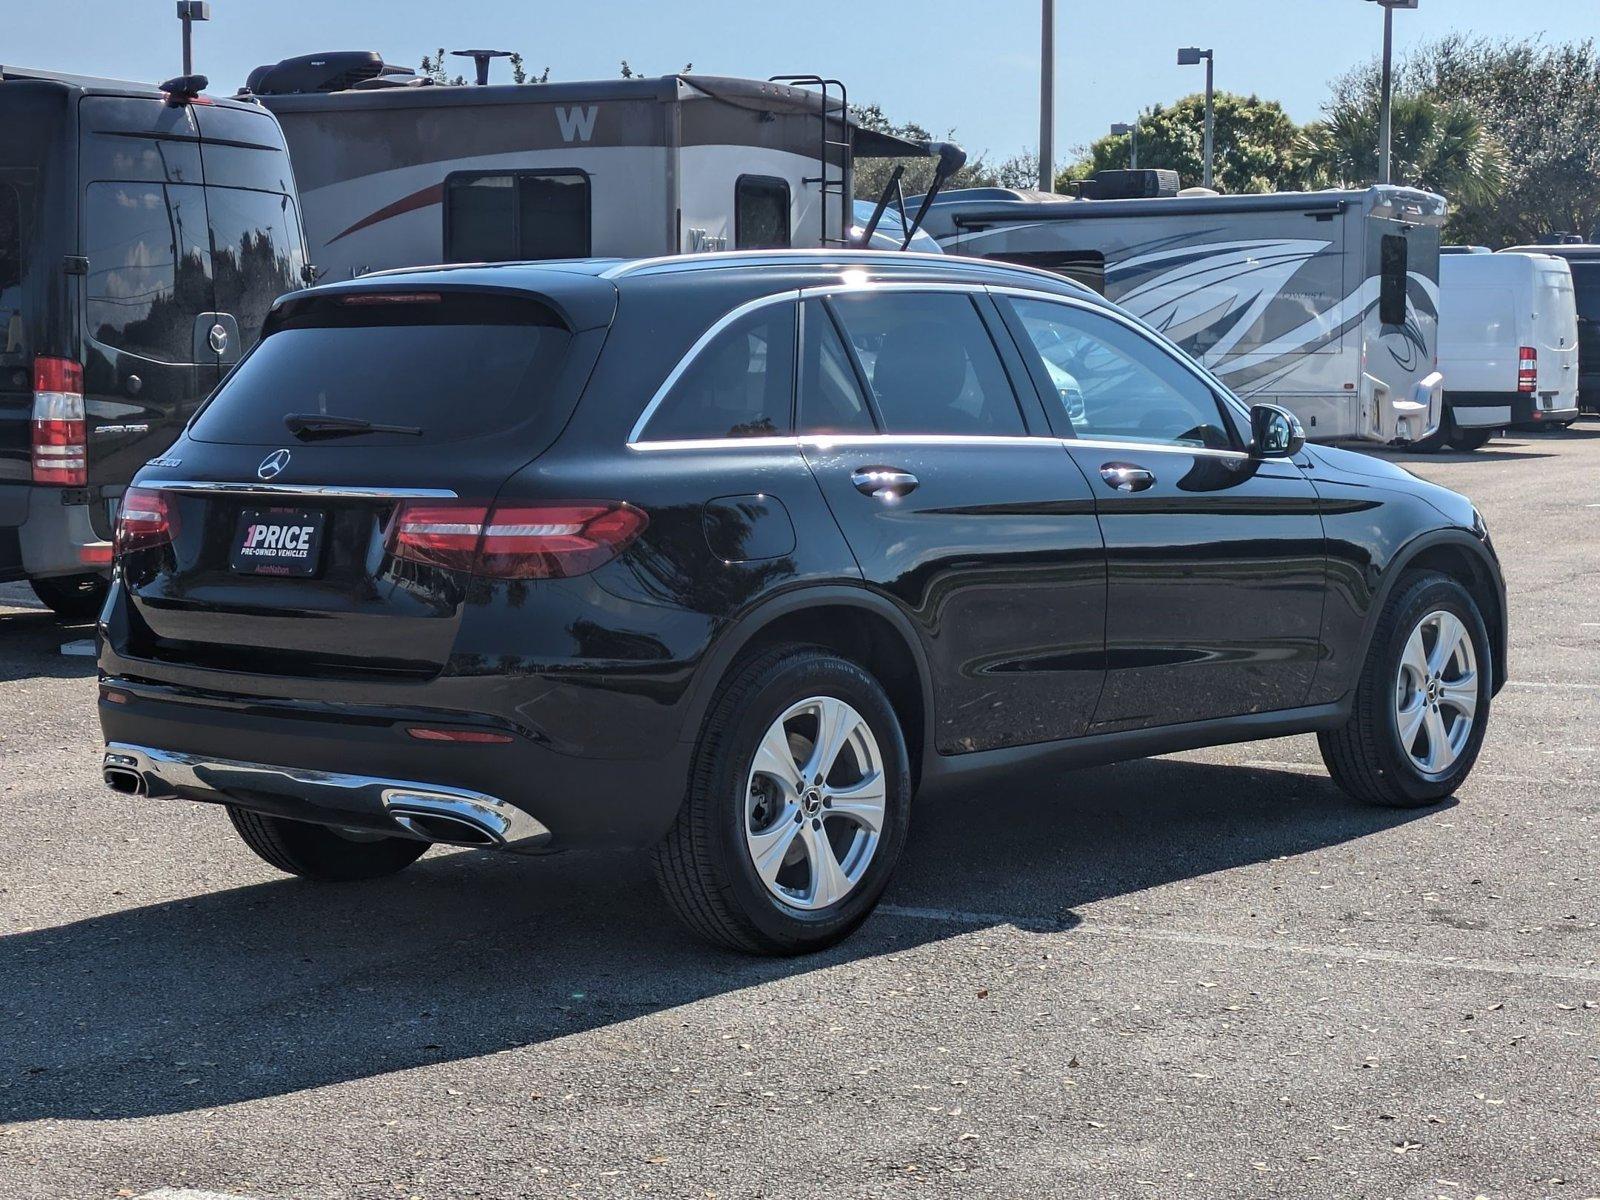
{"points": [[452, 367]]}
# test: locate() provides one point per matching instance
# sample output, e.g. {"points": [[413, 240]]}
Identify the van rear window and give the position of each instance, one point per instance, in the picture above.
{"points": [[449, 366], [10, 237]]}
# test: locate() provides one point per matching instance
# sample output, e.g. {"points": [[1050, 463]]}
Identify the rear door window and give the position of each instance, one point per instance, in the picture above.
{"points": [[931, 364], [10, 269], [516, 216], [149, 267], [256, 253], [831, 399], [451, 366], [740, 384]]}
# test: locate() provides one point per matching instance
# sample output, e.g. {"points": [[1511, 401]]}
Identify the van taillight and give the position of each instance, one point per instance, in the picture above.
{"points": [[1527, 369], [514, 541], [145, 520], [60, 453]]}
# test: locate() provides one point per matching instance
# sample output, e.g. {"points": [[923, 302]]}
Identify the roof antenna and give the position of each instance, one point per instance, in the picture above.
{"points": [[190, 11], [481, 59]]}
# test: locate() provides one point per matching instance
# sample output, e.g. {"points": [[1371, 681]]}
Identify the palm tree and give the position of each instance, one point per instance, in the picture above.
{"points": [[1442, 147]]}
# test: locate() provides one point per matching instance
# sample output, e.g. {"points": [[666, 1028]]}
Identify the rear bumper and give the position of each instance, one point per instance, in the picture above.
{"points": [[1497, 410], [53, 537], [359, 768]]}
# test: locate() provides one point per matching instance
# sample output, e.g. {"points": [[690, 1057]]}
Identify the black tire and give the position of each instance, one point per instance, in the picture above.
{"points": [[704, 865], [72, 598], [317, 852], [1366, 757], [1470, 439]]}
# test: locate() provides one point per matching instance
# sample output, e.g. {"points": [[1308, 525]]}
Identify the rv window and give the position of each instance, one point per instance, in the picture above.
{"points": [[149, 267], [931, 363], [10, 237], [255, 253], [1392, 296], [741, 385], [830, 394], [516, 216], [761, 213], [1112, 382]]}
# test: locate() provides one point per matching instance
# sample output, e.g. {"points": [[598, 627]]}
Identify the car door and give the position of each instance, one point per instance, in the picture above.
{"points": [[958, 506], [1216, 559]]}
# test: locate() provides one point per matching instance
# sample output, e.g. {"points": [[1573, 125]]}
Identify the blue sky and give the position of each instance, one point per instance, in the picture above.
{"points": [[970, 65]]}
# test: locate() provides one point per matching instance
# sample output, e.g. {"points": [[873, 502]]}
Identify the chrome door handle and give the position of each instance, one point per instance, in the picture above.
{"points": [[1125, 477], [883, 483]]}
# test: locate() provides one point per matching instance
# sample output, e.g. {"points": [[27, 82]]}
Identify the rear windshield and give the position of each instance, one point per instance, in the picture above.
{"points": [[1586, 280], [451, 367]]}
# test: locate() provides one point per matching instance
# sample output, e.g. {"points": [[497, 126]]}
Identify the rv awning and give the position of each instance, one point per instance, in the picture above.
{"points": [[869, 143]]}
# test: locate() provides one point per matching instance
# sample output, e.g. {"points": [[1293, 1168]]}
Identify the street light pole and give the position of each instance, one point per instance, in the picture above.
{"points": [[1131, 132], [190, 11], [1047, 98], [1192, 56], [1386, 112]]}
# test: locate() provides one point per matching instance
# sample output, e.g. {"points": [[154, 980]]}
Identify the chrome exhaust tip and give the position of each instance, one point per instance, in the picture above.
{"points": [[121, 779], [464, 820]]}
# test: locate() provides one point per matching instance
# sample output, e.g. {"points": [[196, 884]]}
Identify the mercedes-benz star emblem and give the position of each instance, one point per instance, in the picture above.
{"points": [[219, 338], [273, 464]]}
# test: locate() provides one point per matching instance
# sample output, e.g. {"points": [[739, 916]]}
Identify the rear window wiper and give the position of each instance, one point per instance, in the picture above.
{"points": [[324, 425]]}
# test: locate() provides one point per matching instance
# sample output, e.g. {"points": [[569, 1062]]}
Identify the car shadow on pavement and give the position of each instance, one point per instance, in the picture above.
{"points": [[278, 987], [33, 641]]}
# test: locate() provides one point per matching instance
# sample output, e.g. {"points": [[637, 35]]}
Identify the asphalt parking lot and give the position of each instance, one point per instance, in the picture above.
{"points": [[1208, 975]]}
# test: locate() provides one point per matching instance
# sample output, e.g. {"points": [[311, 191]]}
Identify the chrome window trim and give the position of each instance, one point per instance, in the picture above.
{"points": [[867, 440], [315, 490], [1175, 351], [636, 434]]}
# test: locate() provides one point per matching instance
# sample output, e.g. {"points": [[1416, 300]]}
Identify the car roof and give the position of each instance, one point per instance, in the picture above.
{"points": [[790, 268], [94, 85]]}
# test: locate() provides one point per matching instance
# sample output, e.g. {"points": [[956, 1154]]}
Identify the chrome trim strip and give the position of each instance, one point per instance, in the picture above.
{"points": [[172, 774], [749, 306], [878, 440], [1157, 447], [316, 490]]}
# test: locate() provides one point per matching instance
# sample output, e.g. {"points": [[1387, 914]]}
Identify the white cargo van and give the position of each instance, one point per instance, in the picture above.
{"points": [[1508, 344]]}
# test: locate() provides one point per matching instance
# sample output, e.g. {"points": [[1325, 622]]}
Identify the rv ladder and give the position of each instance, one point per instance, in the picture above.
{"points": [[830, 186]]}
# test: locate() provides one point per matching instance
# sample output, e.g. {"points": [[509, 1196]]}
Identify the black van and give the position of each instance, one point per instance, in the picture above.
{"points": [[143, 235], [1585, 262]]}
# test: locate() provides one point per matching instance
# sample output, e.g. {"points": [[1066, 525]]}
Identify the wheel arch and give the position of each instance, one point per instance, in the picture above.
{"points": [[1460, 555], [855, 622]]}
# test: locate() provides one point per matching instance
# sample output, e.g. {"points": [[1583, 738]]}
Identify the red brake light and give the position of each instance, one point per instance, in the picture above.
{"points": [[145, 520], [474, 737], [361, 299], [60, 451], [515, 541], [1527, 369]]}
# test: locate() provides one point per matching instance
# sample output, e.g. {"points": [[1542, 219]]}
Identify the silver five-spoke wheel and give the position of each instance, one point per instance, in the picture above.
{"points": [[814, 806], [1436, 692]]}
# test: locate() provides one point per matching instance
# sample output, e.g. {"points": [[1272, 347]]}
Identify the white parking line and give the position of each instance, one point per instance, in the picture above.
{"points": [[1350, 954]]}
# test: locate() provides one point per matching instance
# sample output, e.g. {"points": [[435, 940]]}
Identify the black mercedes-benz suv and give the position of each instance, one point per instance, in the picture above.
{"points": [[731, 555]]}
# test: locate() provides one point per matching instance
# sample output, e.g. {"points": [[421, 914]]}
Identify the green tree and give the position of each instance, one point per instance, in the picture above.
{"points": [[433, 68], [1539, 103], [1258, 147]]}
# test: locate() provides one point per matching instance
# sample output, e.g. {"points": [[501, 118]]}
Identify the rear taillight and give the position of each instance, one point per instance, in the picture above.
{"points": [[1527, 369], [145, 520], [60, 455], [514, 541]]}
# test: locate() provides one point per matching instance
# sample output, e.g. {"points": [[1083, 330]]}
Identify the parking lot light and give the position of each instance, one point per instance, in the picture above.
{"points": [[1191, 56]]}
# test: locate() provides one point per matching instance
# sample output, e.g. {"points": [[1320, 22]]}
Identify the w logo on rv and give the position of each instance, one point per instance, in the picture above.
{"points": [[577, 124]]}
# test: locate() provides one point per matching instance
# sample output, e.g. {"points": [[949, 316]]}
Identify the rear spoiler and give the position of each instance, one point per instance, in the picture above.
{"points": [[951, 159]]}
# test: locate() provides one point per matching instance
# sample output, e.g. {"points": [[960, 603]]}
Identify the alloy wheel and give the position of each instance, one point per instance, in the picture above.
{"points": [[815, 803], [1436, 692]]}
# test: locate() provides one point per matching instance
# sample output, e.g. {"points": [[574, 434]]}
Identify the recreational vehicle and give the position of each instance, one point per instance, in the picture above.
{"points": [[1323, 302], [397, 171]]}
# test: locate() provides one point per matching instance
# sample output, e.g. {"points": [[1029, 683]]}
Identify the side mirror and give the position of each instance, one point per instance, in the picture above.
{"points": [[1275, 432]]}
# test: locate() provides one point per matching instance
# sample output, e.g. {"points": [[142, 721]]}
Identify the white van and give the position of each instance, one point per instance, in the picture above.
{"points": [[1508, 344]]}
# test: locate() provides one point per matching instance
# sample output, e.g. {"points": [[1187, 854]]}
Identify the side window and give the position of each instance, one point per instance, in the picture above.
{"points": [[255, 253], [830, 395], [931, 363], [740, 385], [149, 267], [514, 216], [761, 213], [1114, 382], [1392, 293]]}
